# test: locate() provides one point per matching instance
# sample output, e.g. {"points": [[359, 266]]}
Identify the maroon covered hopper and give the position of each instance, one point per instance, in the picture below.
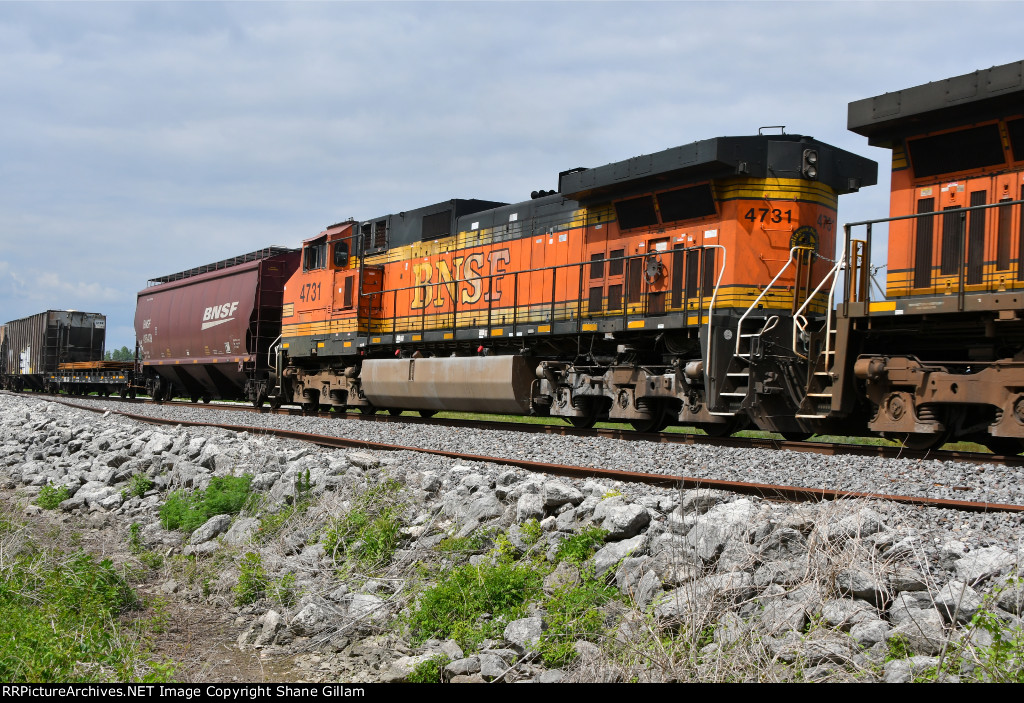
{"points": [[206, 333]]}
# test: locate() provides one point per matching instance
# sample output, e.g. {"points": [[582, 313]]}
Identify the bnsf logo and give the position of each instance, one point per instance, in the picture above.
{"points": [[219, 314]]}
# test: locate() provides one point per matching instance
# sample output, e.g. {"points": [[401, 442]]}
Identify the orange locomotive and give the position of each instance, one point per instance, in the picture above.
{"points": [[941, 353], [676, 287]]}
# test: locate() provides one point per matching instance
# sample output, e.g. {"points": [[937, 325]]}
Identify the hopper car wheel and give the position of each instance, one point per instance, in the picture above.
{"points": [[795, 436], [394, 412], [194, 398], [310, 408], [368, 410], [1006, 446], [169, 393], [206, 399], [582, 423], [428, 413]]}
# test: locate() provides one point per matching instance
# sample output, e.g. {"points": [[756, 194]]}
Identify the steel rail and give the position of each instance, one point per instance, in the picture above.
{"points": [[762, 490]]}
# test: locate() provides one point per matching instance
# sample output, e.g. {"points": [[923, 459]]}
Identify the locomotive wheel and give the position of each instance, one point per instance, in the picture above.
{"points": [[583, 423], [1005, 446], [656, 423], [723, 429], [428, 413], [921, 442]]}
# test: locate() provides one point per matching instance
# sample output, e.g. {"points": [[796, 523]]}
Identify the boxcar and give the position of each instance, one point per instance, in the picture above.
{"points": [[34, 347]]}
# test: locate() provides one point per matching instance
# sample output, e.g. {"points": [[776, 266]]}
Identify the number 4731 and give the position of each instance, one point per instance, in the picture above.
{"points": [[764, 214], [309, 292]]}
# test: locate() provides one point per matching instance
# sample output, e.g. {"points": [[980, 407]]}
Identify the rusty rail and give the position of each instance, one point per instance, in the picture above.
{"points": [[763, 490]]}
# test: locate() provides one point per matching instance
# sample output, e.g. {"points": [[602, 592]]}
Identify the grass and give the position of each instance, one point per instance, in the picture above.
{"points": [[61, 618]]}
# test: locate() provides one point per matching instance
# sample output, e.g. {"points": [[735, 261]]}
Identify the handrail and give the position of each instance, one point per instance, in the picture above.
{"points": [[799, 321], [753, 305], [711, 305], [273, 349]]}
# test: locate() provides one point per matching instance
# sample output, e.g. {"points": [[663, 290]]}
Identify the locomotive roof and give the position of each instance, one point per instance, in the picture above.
{"points": [[761, 156], [222, 264], [945, 103]]}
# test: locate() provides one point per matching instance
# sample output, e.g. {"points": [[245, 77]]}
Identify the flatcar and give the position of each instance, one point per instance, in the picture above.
{"points": [[670, 288]]}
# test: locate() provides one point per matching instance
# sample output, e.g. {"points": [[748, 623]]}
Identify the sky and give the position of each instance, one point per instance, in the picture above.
{"points": [[140, 139]]}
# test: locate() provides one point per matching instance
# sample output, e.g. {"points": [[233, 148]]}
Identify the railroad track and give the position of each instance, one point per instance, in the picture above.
{"points": [[813, 447], [769, 491]]}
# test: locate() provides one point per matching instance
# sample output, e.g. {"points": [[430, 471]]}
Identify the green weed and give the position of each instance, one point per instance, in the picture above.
{"points": [[367, 534], [188, 510], [530, 531], [50, 497], [430, 671], [573, 614], [580, 547], [252, 580], [135, 538], [475, 602], [138, 485]]}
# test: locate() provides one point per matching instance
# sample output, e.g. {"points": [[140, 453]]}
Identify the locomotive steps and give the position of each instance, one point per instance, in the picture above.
{"points": [[677, 585]]}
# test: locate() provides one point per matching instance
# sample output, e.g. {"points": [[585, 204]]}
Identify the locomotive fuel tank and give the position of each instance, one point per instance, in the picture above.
{"points": [[498, 384]]}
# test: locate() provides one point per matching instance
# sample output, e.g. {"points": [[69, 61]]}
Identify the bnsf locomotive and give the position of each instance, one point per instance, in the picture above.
{"points": [[694, 286]]}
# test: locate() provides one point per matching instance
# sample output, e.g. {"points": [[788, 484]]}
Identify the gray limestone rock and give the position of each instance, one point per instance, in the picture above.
{"points": [[557, 493], [241, 531], [614, 552], [904, 670], [923, 631], [492, 667], [861, 583], [867, 633], [984, 564], [463, 667], [958, 602], [622, 520], [311, 619], [713, 530], [523, 633], [863, 523], [844, 613], [210, 529], [367, 609], [700, 596], [530, 506]]}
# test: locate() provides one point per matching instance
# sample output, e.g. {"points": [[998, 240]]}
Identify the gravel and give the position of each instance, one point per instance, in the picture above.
{"points": [[916, 477]]}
